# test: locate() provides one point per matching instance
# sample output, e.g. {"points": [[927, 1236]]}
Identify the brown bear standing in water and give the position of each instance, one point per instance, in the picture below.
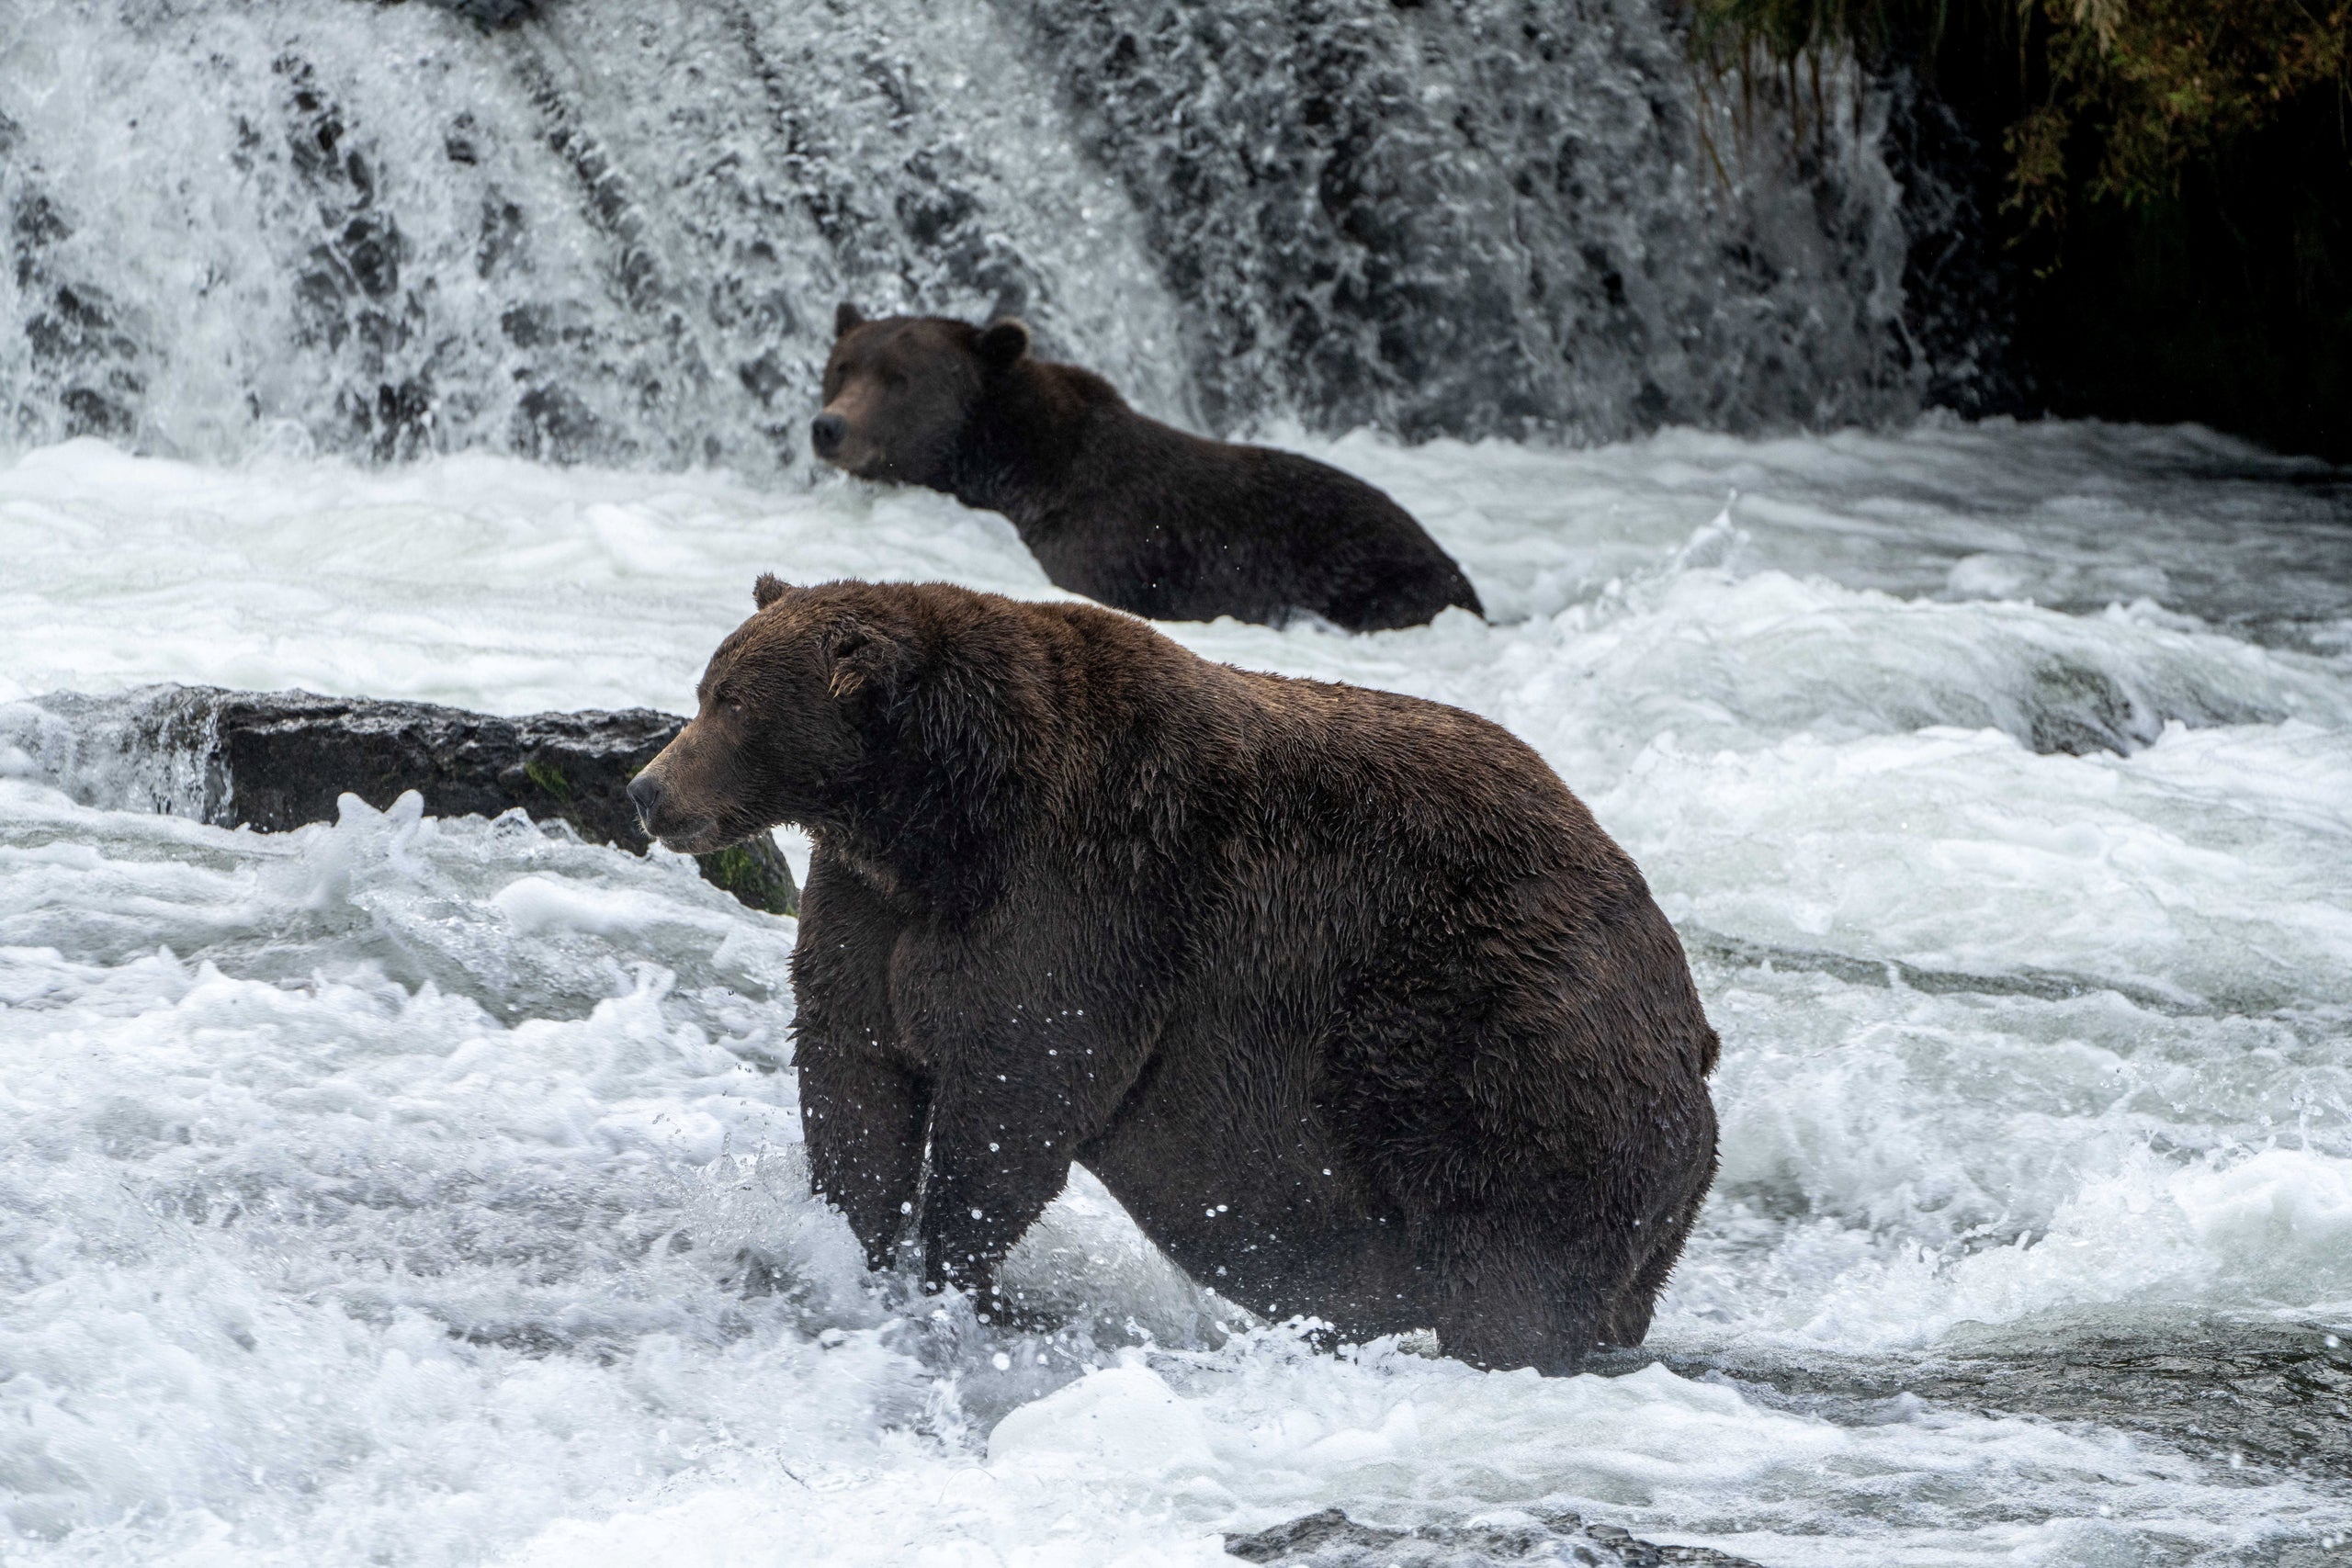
{"points": [[1342, 994], [1116, 506]]}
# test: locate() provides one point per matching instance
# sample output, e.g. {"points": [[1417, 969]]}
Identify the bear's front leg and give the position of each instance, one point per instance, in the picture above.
{"points": [[995, 1164], [862, 1102], [1037, 1023], [863, 1116]]}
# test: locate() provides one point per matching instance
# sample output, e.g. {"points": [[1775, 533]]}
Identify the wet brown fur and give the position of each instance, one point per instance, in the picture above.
{"points": [[1119, 507], [1342, 994]]}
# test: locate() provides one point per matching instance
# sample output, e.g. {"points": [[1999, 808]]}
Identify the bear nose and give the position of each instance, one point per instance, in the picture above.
{"points": [[645, 794], [825, 434]]}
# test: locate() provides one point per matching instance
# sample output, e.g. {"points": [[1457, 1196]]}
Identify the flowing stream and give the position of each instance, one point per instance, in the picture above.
{"points": [[418, 1191]]}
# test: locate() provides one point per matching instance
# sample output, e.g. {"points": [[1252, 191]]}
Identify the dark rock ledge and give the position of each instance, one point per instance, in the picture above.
{"points": [[277, 759], [1331, 1539]]}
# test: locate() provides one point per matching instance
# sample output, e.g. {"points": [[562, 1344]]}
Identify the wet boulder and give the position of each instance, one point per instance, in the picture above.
{"points": [[1331, 1539], [275, 760]]}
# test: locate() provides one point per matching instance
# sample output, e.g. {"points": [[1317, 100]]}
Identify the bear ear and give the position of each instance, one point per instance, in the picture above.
{"points": [[870, 667], [769, 589], [1003, 343], [846, 316]]}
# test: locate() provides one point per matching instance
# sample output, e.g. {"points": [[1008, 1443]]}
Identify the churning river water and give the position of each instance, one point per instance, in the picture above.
{"points": [[416, 1192]]}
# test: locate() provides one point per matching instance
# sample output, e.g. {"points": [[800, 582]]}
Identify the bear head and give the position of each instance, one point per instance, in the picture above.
{"points": [[789, 711], [899, 392]]}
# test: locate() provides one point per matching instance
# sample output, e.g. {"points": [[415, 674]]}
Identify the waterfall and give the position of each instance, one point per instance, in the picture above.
{"points": [[616, 233]]}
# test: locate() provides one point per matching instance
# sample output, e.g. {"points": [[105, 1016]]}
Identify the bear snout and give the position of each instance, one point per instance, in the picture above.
{"points": [[673, 817], [825, 435], [645, 794]]}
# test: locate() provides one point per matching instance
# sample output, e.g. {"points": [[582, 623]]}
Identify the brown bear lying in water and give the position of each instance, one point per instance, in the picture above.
{"points": [[1118, 507], [1342, 994]]}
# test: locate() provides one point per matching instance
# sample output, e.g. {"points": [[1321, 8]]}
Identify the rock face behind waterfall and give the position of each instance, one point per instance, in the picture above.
{"points": [[277, 759], [615, 231], [1490, 218]]}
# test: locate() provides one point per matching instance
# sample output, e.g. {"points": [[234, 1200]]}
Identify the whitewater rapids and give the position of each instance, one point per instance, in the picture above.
{"points": [[418, 1191]]}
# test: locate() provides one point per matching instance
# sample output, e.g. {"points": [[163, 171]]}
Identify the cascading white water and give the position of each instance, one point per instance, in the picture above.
{"points": [[618, 231], [619, 234]]}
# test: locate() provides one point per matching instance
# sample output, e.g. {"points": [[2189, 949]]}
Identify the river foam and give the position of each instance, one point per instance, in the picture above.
{"points": [[425, 1191]]}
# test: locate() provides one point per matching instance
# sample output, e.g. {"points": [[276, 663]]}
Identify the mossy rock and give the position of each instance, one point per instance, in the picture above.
{"points": [[756, 872], [549, 777], [273, 760]]}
